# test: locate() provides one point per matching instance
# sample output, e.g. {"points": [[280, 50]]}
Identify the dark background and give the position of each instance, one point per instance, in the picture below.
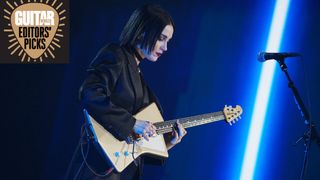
{"points": [[211, 62]]}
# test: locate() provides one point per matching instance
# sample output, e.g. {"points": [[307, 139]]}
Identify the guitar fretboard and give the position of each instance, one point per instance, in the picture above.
{"points": [[167, 126]]}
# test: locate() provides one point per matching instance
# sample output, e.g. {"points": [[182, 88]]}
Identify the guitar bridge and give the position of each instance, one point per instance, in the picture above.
{"points": [[133, 137]]}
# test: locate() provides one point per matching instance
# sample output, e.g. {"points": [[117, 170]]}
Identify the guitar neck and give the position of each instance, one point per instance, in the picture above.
{"points": [[167, 126]]}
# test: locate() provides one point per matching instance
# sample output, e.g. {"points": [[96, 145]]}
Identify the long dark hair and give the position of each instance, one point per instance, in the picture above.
{"points": [[145, 26]]}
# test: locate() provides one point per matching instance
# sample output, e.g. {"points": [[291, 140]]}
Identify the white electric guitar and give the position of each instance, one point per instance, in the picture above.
{"points": [[121, 153]]}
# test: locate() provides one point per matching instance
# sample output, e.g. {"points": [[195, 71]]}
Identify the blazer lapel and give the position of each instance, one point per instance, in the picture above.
{"points": [[135, 81]]}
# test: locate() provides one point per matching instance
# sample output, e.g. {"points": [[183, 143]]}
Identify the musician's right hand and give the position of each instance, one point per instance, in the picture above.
{"points": [[144, 128]]}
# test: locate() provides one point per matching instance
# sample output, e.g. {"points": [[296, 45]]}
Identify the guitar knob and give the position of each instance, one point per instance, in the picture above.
{"points": [[126, 153], [117, 154]]}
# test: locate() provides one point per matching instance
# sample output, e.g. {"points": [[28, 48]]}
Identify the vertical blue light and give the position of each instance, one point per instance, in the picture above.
{"points": [[263, 92]]}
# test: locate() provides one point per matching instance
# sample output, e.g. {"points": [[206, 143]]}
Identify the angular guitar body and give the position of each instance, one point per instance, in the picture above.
{"points": [[119, 153]]}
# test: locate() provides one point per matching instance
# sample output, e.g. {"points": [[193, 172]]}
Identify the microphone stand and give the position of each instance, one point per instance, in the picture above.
{"points": [[311, 132]]}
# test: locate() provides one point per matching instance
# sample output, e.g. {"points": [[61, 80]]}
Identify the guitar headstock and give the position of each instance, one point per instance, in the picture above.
{"points": [[232, 114]]}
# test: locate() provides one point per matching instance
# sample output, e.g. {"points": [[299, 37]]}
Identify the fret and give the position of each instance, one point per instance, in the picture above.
{"points": [[167, 126], [118, 153]]}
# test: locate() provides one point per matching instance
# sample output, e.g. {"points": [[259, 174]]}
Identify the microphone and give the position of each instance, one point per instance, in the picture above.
{"points": [[264, 56]]}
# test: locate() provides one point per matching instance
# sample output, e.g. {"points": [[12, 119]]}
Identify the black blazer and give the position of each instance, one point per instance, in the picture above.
{"points": [[113, 91]]}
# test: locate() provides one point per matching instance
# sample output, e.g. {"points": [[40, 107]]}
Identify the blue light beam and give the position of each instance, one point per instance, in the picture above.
{"points": [[264, 89]]}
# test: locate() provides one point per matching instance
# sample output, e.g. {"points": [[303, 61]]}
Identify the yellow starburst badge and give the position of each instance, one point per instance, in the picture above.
{"points": [[37, 31]]}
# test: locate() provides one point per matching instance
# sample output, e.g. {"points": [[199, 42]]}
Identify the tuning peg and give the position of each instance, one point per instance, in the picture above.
{"points": [[233, 122], [230, 123], [239, 117]]}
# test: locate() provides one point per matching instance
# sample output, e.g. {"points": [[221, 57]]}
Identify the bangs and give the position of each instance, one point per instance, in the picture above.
{"points": [[145, 26]]}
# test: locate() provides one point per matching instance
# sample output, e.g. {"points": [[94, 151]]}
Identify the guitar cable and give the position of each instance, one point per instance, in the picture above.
{"points": [[85, 138], [134, 158], [72, 159], [81, 142]]}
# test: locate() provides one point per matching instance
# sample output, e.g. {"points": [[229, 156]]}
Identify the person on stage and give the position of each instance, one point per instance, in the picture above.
{"points": [[114, 89]]}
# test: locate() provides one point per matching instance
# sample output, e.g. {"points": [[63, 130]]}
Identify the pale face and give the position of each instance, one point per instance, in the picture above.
{"points": [[160, 46]]}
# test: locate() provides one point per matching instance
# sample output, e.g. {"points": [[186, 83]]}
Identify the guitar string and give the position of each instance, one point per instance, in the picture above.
{"points": [[161, 129], [203, 116], [191, 119]]}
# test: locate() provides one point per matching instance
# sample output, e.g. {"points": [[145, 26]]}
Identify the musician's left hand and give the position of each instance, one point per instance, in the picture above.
{"points": [[176, 136]]}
